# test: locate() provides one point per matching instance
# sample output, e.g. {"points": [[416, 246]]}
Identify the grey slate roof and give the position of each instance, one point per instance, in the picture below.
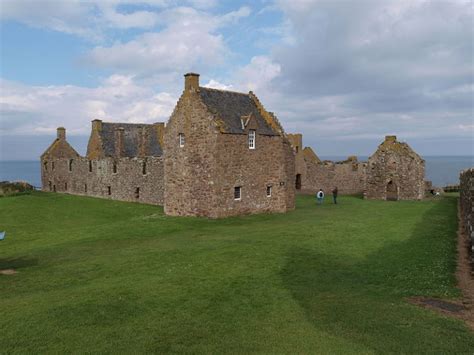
{"points": [[230, 106], [133, 134]]}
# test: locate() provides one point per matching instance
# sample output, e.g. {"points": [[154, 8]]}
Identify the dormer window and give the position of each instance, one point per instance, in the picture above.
{"points": [[181, 140], [252, 139]]}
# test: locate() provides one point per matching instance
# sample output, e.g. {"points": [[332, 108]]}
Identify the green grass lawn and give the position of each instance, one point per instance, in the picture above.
{"points": [[106, 276]]}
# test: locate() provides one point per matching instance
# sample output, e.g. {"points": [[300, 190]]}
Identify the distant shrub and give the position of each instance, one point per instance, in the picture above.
{"points": [[9, 188]]}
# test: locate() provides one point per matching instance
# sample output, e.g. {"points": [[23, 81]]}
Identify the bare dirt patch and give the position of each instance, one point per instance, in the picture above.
{"points": [[463, 308], [465, 275], [8, 272]]}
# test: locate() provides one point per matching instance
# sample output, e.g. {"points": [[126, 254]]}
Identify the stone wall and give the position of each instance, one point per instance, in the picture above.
{"points": [[190, 170], [348, 176], [467, 205], [395, 172], [125, 179], [270, 164], [200, 177]]}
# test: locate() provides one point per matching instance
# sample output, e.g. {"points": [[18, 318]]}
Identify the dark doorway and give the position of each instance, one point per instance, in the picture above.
{"points": [[298, 182], [392, 191]]}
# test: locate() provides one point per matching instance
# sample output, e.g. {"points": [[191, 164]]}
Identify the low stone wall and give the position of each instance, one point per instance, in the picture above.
{"points": [[466, 189], [348, 176]]}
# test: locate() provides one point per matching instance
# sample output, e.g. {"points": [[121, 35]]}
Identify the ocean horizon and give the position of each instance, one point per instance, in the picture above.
{"points": [[441, 170]]}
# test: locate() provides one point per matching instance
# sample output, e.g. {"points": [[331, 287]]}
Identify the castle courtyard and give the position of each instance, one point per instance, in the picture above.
{"points": [[104, 276]]}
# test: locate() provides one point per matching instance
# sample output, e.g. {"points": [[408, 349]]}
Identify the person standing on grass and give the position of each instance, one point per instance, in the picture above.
{"points": [[320, 196], [334, 195]]}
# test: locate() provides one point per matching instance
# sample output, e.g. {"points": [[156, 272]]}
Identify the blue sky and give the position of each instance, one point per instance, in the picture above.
{"points": [[344, 73]]}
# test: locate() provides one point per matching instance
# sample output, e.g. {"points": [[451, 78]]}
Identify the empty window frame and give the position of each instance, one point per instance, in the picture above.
{"points": [[70, 164], [144, 168], [114, 167], [65, 186], [237, 193], [52, 165], [181, 140], [85, 188], [137, 193], [252, 137], [269, 191], [109, 190], [45, 165], [90, 166]]}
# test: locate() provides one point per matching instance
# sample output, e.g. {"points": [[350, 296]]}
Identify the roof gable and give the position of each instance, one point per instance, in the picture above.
{"points": [[233, 109], [60, 148]]}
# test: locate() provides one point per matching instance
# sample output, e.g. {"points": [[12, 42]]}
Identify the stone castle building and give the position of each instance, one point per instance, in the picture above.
{"points": [[395, 172], [220, 154], [313, 174]]}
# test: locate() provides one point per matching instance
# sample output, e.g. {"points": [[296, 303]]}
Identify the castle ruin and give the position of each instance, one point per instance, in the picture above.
{"points": [[220, 154]]}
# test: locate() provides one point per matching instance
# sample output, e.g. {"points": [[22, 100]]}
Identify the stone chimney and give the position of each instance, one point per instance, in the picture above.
{"points": [[390, 138], [61, 131], [97, 125], [160, 129], [191, 82], [119, 141]]}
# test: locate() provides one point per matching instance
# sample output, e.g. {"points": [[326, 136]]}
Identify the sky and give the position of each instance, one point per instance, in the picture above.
{"points": [[343, 73]]}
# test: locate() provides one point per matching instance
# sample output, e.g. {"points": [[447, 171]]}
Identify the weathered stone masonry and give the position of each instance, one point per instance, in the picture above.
{"points": [[466, 189], [220, 154], [192, 167], [395, 172], [120, 178], [201, 176]]}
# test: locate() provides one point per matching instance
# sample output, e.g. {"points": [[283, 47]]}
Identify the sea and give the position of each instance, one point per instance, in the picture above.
{"points": [[441, 170]]}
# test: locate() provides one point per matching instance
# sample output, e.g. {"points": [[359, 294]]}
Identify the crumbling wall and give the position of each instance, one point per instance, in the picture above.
{"points": [[348, 176], [126, 179], [312, 174], [395, 172], [466, 196]]}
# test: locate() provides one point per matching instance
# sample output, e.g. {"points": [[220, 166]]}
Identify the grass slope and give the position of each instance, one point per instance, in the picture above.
{"points": [[105, 276]]}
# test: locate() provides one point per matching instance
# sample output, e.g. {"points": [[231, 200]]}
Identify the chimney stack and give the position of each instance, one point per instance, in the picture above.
{"points": [[390, 138], [61, 131], [97, 125], [160, 130], [191, 82], [119, 142]]}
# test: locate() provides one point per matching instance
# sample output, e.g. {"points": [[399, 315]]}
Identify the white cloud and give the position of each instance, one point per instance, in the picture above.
{"points": [[40, 109], [92, 18], [188, 41], [217, 85]]}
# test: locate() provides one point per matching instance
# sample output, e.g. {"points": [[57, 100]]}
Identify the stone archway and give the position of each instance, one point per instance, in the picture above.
{"points": [[298, 182], [392, 191]]}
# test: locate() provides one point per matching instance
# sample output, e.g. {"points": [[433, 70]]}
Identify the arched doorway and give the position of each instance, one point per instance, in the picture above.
{"points": [[298, 182], [392, 191]]}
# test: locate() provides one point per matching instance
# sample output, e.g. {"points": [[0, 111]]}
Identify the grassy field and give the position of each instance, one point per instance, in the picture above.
{"points": [[106, 276]]}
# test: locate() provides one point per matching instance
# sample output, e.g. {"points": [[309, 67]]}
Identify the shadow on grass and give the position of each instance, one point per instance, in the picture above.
{"points": [[17, 263], [364, 300]]}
